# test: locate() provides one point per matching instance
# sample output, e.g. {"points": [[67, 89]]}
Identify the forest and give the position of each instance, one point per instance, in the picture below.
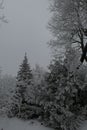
{"points": [[56, 97]]}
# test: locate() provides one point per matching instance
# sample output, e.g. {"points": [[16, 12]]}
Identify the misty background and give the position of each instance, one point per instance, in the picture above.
{"points": [[26, 31]]}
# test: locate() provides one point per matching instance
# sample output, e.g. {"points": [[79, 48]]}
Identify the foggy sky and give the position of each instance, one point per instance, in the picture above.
{"points": [[25, 32]]}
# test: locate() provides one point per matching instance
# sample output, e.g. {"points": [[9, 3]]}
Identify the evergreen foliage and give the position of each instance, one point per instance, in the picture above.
{"points": [[7, 87], [55, 97], [24, 73], [24, 77], [62, 109], [36, 93]]}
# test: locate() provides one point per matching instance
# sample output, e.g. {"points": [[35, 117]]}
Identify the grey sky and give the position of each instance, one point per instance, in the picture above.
{"points": [[25, 32]]}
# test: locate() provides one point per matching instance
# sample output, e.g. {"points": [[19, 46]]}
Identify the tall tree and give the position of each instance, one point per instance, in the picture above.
{"points": [[24, 77], [62, 103], [68, 24]]}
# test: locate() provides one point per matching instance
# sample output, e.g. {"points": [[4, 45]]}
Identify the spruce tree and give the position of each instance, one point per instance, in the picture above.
{"points": [[23, 80], [24, 73]]}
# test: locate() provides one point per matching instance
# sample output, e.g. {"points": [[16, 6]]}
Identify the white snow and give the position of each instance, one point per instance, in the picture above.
{"points": [[16, 124]]}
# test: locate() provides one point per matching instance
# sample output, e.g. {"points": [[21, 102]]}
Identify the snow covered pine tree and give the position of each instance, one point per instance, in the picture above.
{"points": [[23, 80]]}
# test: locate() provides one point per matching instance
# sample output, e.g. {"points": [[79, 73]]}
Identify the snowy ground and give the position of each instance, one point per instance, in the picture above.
{"points": [[16, 124]]}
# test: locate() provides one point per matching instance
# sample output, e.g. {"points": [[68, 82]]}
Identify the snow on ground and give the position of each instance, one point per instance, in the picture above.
{"points": [[16, 124]]}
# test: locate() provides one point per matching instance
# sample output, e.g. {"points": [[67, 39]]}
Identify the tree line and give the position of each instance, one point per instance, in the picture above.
{"points": [[57, 97]]}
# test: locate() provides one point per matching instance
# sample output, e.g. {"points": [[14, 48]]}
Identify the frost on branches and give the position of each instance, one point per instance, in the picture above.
{"points": [[23, 80], [7, 87], [63, 108]]}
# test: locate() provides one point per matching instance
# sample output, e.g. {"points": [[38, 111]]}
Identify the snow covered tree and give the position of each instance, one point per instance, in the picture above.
{"points": [[39, 83], [68, 24], [37, 91], [77, 75], [7, 87], [24, 77], [62, 107], [56, 78], [69, 29]]}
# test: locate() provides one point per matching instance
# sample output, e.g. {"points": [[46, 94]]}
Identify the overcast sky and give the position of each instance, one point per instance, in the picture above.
{"points": [[25, 32]]}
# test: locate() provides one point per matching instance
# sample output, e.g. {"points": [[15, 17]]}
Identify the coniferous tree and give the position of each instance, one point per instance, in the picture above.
{"points": [[24, 73], [23, 80], [63, 106], [37, 92]]}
